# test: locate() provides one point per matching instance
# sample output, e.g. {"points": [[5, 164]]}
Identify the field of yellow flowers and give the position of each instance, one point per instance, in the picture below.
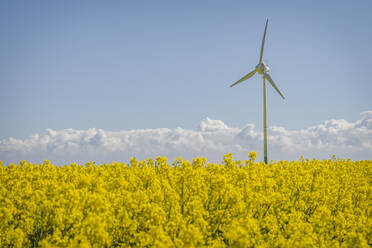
{"points": [[152, 203]]}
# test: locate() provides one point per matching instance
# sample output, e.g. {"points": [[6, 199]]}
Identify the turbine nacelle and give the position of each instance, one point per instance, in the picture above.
{"points": [[262, 68]]}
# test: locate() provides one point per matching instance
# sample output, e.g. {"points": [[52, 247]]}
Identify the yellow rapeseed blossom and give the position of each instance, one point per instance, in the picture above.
{"points": [[151, 203]]}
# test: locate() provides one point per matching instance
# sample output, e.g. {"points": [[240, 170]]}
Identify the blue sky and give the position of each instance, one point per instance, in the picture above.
{"points": [[121, 65]]}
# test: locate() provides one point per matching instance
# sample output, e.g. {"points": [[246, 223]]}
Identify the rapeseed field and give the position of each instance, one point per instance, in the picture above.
{"points": [[154, 203]]}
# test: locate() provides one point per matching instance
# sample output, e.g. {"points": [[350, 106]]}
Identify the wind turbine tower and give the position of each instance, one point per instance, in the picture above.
{"points": [[263, 70]]}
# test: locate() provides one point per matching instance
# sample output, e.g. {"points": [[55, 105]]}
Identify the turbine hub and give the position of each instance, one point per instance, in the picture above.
{"points": [[262, 68]]}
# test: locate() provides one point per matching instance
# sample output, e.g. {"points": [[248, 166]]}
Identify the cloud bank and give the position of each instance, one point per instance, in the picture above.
{"points": [[212, 139]]}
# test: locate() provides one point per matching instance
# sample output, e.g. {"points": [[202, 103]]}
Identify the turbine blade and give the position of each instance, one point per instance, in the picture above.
{"points": [[263, 41], [267, 76], [249, 75]]}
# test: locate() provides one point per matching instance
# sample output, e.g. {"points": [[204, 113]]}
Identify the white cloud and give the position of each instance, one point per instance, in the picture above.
{"points": [[212, 139]]}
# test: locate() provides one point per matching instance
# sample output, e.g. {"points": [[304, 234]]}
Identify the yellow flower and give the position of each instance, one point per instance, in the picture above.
{"points": [[151, 203]]}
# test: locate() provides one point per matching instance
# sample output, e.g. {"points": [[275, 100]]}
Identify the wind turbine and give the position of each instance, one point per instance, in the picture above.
{"points": [[262, 69]]}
